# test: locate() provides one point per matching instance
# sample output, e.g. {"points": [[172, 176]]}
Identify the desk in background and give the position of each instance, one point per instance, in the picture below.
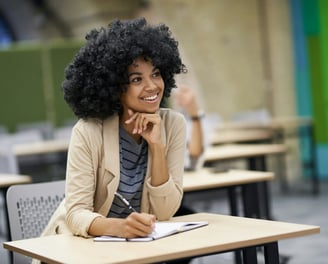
{"points": [[255, 155], [42, 147], [6, 180], [204, 179], [303, 127], [273, 123], [228, 136], [224, 233], [240, 151]]}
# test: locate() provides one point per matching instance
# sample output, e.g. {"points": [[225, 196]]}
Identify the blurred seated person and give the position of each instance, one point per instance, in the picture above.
{"points": [[185, 100]]}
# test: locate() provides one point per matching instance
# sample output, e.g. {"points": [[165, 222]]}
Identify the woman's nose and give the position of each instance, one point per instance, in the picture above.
{"points": [[150, 85]]}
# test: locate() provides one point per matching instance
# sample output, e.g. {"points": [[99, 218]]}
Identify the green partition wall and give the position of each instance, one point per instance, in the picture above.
{"points": [[22, 94], [31, 77], [60, 54]]}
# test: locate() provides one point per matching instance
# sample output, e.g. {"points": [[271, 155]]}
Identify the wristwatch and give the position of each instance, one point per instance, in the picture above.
{"points": [[199, 116]]}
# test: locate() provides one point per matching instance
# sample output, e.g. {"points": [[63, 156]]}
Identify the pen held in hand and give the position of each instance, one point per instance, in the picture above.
{"points": [[125, 202]]}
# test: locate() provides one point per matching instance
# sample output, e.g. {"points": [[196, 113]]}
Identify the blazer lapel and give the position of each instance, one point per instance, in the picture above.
{"points": [[111, 145], [111, 159]]}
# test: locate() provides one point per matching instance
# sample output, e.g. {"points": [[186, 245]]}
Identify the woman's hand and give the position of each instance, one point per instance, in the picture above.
{"points": [[186, 98], [137, 225], [147, 125]]}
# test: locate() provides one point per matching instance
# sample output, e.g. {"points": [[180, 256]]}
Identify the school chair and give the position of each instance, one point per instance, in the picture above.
{"points": [[30, 207]]}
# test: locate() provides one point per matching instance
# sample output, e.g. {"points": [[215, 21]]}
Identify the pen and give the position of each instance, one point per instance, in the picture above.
{"points": [[125, 202]]}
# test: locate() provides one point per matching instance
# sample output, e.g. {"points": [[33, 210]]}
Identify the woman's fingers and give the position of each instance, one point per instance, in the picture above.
{"points": [[142, 121], [140, 224]]}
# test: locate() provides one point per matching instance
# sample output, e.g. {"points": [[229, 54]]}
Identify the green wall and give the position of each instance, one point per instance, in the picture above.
{"points": [[31, 77]]}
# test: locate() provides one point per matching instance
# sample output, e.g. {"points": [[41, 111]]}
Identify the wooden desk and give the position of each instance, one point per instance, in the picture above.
{"points": [[280, 127], [273, 123], [43, 147], [7, 180], [255, 155], [239, 151], [228, 136], [205, 179], [224, 233]]}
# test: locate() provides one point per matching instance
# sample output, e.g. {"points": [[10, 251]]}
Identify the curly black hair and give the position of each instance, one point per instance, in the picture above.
{"points": [[97, 76]]}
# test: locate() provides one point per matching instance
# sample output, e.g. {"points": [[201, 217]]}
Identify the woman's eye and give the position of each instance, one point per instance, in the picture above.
{"points": [[157, 74], [137, 79]]}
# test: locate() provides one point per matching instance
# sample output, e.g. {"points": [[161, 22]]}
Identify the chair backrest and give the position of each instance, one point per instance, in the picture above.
{"points": [[3, 130], [44, 127], [26, 136], [63, 132], [8, 160], [30, 207]]}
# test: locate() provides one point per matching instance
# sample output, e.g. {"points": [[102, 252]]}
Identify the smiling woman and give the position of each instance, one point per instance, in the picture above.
{"points": [[124, 140]]}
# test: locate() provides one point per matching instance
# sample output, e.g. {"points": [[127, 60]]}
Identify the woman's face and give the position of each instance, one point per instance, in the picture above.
{"points": [[145, 88]]}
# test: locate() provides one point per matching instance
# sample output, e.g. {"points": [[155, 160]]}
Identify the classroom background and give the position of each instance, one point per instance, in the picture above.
{"points": [[246, 59]]}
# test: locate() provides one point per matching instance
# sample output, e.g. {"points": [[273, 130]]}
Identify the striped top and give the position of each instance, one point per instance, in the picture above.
{"points": [[133, 167]]}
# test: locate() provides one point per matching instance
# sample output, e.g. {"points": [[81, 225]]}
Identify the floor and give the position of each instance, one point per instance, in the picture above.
{"points": [[297, 206]]}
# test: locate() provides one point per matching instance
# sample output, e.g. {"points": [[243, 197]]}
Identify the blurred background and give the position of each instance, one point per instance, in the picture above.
{"points": [[243, 56]]}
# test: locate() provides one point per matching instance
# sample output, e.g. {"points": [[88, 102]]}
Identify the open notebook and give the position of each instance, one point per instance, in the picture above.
{"points": [[162, 229]]}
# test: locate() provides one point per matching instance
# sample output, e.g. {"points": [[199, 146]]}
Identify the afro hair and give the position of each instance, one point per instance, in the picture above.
{"points": [[97, 76]]}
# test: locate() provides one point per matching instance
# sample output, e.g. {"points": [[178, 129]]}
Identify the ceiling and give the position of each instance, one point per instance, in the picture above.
{"points": [[46, 19]]}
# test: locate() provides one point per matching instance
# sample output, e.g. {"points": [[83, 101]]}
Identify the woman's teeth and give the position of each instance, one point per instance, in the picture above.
{"points": [[150, 98]]}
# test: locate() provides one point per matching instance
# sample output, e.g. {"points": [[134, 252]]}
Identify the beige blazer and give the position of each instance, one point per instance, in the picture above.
{"points": [[93, 174]]}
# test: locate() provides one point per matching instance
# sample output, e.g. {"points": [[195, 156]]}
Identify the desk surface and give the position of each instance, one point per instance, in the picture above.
{"points": [[274, 123], [42, 147], [224, 233], [235, 151], [225, 136], [205, 179], [7, 180]]}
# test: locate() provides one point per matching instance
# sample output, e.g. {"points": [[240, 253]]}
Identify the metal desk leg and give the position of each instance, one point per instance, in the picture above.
{"points": [[259, 164], [250, 255], [251, 200], [234, 211], [271, 253], [233, 200]]}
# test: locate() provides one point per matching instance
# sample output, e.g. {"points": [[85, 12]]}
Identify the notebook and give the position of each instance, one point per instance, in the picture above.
{"points": [[162, 229]]}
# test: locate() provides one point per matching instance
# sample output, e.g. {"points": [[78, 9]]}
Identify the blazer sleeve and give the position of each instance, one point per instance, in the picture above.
{"points": [[81, 179]]}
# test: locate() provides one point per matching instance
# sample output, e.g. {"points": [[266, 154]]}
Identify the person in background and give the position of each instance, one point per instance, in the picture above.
{"points": [[124, 141], [186, 101]]}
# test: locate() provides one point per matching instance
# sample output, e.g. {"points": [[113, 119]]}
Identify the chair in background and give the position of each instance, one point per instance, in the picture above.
{"points": [[37, 165], [8, 165], [30, 164], [3, 130], [63, 132], [257, 116], [45, 127], [30, 207], [8, 160]]}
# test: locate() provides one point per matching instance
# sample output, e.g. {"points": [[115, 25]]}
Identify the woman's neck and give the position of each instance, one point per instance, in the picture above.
{"points": [[129, 128]]}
